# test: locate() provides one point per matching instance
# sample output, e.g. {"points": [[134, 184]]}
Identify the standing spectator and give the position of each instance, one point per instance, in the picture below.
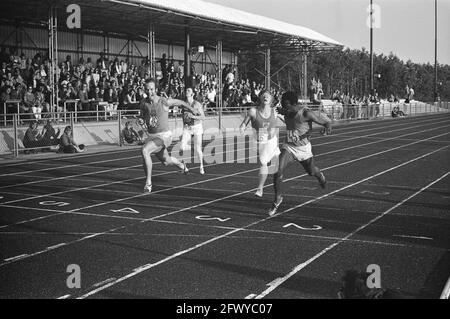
{"points": [[67, 143], [68, 64], [85, 101]]}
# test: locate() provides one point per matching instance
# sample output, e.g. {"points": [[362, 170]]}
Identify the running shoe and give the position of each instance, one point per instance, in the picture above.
{"points": [[148, 188], [275, 207], [202, 171], [185, 169], [259, 193], [322, 180]]}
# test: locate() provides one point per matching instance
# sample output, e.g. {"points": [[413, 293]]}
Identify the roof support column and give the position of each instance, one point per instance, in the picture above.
{"points": [[305, 76], [219, 97], [151, 49], [187, 57], [267, 68], [53, 55]]}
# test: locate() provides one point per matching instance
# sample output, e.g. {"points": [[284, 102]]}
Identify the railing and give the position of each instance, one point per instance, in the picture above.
{"points": [[339, 111], [112, 122]]}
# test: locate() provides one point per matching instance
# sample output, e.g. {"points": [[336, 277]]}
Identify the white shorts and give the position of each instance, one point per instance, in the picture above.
{"points": [[166, 137], [300, 153], [268, 149], [188, 131], [196, 129]]}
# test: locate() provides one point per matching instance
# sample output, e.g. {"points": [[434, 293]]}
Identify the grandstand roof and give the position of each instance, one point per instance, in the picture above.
{"points": [[208, 22]]}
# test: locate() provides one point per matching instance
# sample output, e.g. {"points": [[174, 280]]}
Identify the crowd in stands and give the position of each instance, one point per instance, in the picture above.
{"points": [[111, 84]]}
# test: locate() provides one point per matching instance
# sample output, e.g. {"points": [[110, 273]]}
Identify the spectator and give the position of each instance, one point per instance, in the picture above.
{"points": [[67, 144], [32, 138], [85, 101], [111, 98], [49, 134], [40, 103], [131, 102], [397, 113], [130, 135]]}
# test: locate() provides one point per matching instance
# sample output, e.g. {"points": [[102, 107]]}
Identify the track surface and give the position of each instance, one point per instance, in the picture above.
{"points": [[386, 203]]}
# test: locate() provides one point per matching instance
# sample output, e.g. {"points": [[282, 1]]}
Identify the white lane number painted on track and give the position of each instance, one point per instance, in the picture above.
{"points": [[127, 210], [208, 217], [315, 227]]}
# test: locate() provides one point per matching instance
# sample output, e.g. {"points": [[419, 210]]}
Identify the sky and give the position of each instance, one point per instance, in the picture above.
{"points": [[406, 27]]}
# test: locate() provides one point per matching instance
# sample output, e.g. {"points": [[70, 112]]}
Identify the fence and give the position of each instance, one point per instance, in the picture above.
{"points": [[106, 126], [338, 111]]}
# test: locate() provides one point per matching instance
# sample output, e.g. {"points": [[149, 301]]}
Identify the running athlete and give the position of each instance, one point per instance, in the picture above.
{"points": [[264, 121], [155, 118], [297, 146], [193, 125]]}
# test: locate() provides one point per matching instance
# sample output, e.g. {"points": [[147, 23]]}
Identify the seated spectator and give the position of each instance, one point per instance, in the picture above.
{"points": [[130, 135], [29, 100], [131, 102], [67, 144], [111, 97], [6, 95], [50, 135], [397, 113], [32, 138], [40, 103]]}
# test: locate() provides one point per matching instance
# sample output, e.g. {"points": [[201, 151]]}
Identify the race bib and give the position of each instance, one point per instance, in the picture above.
{"points": [[153, 121], [293, 137]]}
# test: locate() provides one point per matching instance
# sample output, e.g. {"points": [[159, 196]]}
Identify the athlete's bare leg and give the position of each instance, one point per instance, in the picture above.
{"points": [[263, 172], [313, 170], [168, 160], [198, 150], [149, 148], [284, 160]]}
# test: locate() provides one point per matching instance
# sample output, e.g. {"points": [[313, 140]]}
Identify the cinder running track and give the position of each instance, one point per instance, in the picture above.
{"points": [[386, 203]]}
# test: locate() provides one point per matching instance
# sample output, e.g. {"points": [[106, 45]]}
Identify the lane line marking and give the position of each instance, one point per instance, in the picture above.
{"points": [[414, 237], [16, 258], [55, 246]]}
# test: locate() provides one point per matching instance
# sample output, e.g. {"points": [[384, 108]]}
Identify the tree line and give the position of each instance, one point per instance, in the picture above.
{"points": [[348, 71]]}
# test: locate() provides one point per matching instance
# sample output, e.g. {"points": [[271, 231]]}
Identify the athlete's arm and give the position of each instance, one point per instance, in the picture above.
{"points": [[199, 111], [325, 122], [175, 102], [247, 119]]}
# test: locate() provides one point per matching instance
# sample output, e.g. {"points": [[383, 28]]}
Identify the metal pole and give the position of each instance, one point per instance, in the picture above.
{"points": [[305, 76], [371, 48], [16, 139], [435, 51], [267, 68], [55, 65], [219, 81], [119, 112], [187, 57]]}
